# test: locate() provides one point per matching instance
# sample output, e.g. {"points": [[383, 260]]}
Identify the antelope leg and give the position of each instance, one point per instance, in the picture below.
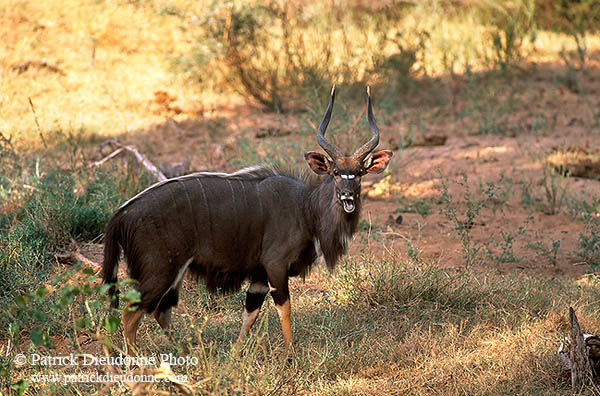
{"points": [[131, 321], [284, 312], [254, 299], [281, 296]]}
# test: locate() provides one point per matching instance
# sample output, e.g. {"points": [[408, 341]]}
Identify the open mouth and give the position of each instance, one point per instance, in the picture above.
{"points": [[348, 203]]}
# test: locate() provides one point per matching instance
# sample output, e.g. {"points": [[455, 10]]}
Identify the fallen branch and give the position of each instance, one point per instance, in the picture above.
{"points": [[73, 257], [23, 67], [150, 167], [108, 157]]}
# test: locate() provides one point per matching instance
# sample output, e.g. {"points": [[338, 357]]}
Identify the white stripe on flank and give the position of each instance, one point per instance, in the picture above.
{"points": [[182, 272], [240, 172], [177, 281]]}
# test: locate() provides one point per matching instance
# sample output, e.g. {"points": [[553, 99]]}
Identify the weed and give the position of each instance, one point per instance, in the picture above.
{"points": [[497, 193], [513, 25], [556, 185], [61, 208], [549, 253], [506, 245], [528, 200], [463, 224], [275, 52], [574, 68], [421, 206], [72, 305], [489, 108], [367, 230], [589, 243]]}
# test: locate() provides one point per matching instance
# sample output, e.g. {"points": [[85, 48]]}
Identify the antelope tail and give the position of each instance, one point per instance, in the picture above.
{"points": [[111, 259]]}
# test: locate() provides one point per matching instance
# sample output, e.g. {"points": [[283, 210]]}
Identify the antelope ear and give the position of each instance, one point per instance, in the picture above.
{"points": [[317, 162], [377, 162]]}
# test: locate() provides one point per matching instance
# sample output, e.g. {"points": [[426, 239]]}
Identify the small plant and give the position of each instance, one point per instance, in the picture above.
{"points": [[74, 303], [421, 206], [497, 193], [367, 230], [528, 200], [60, 208], [506, 245], [489, 107], [549, 253], [575, 66], [589, 243], [463, 224], [556, 184], [277, 52]]}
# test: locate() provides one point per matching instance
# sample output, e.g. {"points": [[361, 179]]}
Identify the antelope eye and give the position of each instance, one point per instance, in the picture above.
{"points": [[335, 172]]}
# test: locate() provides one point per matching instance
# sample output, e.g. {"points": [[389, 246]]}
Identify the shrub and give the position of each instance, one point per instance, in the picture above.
{"points": [[62, 208], [278, 53]]}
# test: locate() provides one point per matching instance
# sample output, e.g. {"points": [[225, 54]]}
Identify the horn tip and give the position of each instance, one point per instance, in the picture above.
{"points": [[333, 89], [368, 90]]}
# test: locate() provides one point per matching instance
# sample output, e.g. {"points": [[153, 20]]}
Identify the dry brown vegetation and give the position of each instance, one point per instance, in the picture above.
{"points": [[473, 245]]}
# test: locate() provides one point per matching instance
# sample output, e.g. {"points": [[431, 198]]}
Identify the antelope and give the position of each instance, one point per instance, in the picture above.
{"points": [[258, 224]]}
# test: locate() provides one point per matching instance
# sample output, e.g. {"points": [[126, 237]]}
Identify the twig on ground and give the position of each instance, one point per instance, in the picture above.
{"points": [[150, 167], [37, 123], [108, 157]]}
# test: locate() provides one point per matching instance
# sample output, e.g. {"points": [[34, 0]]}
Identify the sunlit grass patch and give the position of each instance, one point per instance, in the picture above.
{"points": [[111, 58]]}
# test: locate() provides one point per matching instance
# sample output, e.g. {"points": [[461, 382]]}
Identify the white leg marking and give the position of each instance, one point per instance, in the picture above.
{"points": [[258, 288]]}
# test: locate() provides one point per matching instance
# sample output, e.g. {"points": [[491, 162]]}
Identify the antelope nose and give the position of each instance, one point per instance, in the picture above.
{"points": [[346, 193]]}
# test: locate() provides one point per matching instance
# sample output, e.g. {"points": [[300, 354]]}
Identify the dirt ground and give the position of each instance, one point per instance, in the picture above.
{"points": [[517, 213]]}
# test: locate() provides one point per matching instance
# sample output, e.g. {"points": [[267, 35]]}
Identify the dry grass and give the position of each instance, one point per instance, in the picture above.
{"points": [[407, 329], [112, 56]]}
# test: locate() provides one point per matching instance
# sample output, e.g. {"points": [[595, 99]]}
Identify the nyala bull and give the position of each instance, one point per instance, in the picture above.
{"points": [[257, 224]]}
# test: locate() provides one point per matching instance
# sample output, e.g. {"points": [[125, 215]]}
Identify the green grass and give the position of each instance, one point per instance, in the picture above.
{"points": [[60, 207], [421, 206]]}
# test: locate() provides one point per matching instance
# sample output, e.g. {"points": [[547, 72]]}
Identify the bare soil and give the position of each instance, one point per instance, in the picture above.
{"points": [[513, 161]]}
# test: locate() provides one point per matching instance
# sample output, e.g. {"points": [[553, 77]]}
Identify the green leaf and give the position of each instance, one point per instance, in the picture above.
{"points": [[82, 323], [13, 328], [111, 323], [55, 281], [20, 386], [20, 301], [104, 288], [108, 342], [38, 315], [89, 271], [36, 337], [41, 292], [132, 296]]}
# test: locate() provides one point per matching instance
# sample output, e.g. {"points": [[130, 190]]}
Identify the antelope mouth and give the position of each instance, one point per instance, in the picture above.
{"points": [[348, 204]]}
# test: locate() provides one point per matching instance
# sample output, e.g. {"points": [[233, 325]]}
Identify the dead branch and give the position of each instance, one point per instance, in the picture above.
{"points": [[71, 258], [108, 157], [24, 66], [581, 371], [37, 123], [150, 167]]}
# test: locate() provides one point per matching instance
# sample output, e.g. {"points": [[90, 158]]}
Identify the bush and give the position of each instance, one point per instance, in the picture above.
{"points": [[62, 208], [275, 53], [575, 17]]}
